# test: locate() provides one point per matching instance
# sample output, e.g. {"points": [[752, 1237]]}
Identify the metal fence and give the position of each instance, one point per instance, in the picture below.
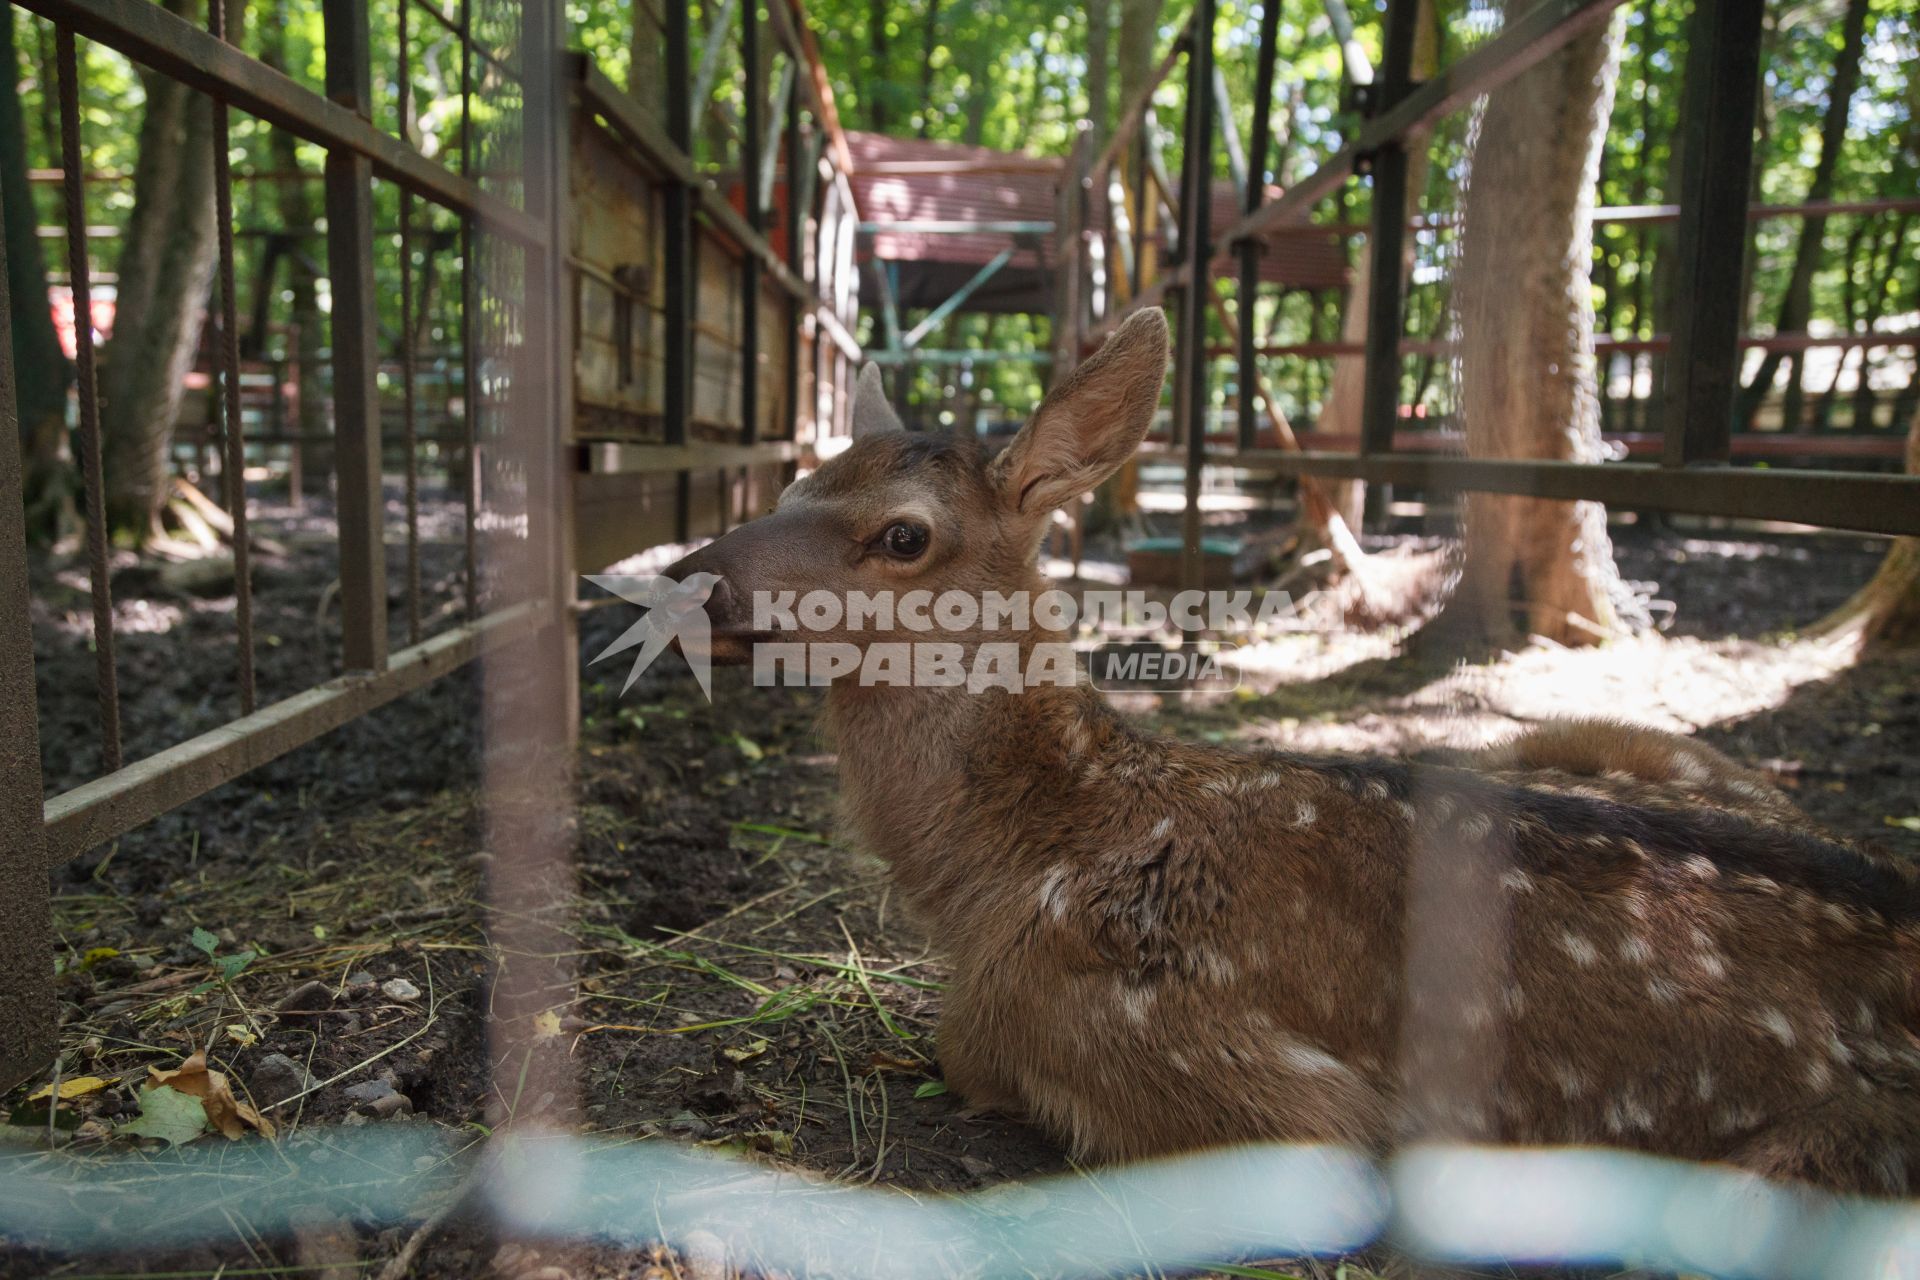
{"points": [[542, 486], [1109, 223]]}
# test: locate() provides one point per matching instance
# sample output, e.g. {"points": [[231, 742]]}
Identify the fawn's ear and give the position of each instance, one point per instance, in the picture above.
{"points": [[1091, 423], [871, 412]]}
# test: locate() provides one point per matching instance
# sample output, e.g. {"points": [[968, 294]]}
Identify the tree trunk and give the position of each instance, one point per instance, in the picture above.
{"points": [[1527, 385], [165, 268], [876, 84], [927, 49], [1796, 304], [295, 205], [1341, 410], [1099, 59], [643, 59], [1885, 614], [41, 370]]}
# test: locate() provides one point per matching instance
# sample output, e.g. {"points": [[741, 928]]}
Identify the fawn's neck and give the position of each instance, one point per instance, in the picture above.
{"points": [[906, 757]]}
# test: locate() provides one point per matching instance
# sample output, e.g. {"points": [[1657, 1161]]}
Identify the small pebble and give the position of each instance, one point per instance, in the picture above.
{"points": [[399, 989]]}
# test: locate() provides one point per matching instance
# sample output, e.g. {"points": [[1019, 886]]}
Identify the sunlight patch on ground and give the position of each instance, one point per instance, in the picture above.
{"points": [[1679, 685]]}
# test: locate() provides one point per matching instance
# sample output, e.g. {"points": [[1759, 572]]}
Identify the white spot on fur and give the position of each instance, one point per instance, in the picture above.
{"points": [[1161, 828], [1476, 826], [1584, 953], [1218, 969], [1661, 991], [1711, 964], [1308, 1060], [1516, 880], [1304, 815], [1572, 1083], [1775, 1024], [1053, 891], [1688, 769], [1819, 1076], [1180, 1062], [1703, 1084], [1701, 867], [1635, 949], [1634, 847]]}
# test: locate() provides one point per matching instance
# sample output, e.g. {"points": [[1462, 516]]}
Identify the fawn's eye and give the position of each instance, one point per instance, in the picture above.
{"points": [[903, 540]]}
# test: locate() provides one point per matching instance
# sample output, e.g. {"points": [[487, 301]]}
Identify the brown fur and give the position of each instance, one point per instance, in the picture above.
{"points": [[1159, 945]]}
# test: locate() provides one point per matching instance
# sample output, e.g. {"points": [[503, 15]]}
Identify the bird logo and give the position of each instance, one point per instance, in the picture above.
{"points": [[675, 611]]}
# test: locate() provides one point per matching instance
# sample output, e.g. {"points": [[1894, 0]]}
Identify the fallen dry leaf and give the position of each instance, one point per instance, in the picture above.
{"points": [[78, 1087], [546, 1025], [225, 1112]]}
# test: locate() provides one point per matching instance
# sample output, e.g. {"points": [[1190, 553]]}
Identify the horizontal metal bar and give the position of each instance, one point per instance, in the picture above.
{"points": [[1601, 345], [1014, 163], [615, 457], [937, 227], [1522, 44], [179, 50], [1834, 499], [936, 356], [1872, 445], [111, 806]]}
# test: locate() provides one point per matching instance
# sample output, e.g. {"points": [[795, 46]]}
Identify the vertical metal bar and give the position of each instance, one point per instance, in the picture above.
{"points": [[1196, 210], [1702, 369], [28, 1035], [751, 129], [410, 432], [796, 221], [1259, 143], [234, 436], [356, 354], [1386, 241], [469, 335], [678, 278], [80, 278]]}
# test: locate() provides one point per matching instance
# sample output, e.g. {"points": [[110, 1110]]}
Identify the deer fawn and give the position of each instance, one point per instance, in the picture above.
{"points": [[1594, 935]]}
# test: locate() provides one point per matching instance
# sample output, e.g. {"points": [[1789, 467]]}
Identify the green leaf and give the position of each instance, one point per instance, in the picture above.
{"points": [[931, 1089], [230, 967], [169, 1115], [749, 748], [205, 941]]}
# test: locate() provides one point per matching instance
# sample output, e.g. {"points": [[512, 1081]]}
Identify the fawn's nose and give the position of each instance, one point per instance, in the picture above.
{"points": [[725, 604]]}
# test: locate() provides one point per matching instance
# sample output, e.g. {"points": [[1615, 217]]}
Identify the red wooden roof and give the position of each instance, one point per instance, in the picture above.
{"points": [[1014, 187]]}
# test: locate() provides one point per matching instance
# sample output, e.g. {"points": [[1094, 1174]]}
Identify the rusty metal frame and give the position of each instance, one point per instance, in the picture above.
{"points": [[27, 1027], [1696, 476], [37, 834]]}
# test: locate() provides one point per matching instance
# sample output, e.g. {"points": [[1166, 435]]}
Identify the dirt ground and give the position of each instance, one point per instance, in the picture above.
{"points": [[746, 982]]}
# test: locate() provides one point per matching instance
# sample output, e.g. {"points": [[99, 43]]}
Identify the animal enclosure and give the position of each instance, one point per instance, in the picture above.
{"points": [[575, 323]]}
